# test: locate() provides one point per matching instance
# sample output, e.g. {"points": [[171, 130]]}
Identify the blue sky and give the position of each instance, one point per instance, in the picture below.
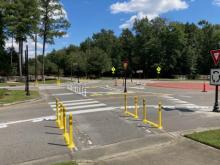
{"points": [[89, 16]]}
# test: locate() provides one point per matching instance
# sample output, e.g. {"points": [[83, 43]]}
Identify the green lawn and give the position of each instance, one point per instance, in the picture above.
{"points": [[11, 84], [211, 138], [51, 81], [66, 163], [10, 96]]}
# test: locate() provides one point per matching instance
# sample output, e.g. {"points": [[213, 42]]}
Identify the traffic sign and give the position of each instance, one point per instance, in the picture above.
{"points": [[215, 55], [158, 69], [215, 77], [113, 70], [139, 71]]}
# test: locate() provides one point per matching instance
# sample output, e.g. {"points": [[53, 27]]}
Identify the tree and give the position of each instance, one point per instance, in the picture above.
{"points": [[126, 40], [53, 23], [21, 18], [98, 62]]}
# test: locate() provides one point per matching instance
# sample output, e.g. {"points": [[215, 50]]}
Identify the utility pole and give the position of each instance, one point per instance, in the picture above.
{"points": [[27, 72]]}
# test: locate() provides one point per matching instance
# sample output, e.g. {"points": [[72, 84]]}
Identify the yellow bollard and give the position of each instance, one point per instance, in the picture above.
{"points": [[36, 83], [136, 107], [71, 144], [65, 133], [57, 111], [144, 112], [160, 116], [125, 102], [61, 116], [58, 82]]}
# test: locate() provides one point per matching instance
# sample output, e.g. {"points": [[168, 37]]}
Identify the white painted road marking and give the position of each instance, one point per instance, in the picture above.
{"points": [[62, 94], [84, 106], [71, 101], [79, 103], [78, 112], [3, 125]]}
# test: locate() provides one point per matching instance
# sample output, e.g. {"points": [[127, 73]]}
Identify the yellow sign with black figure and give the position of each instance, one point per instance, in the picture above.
{"points": [[158, 70], [113, 70]]}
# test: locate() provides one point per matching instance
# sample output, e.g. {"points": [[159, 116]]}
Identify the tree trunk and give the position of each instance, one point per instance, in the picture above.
{"points": [[36, 57], [44, 43], [22, 58], [19, 59]]}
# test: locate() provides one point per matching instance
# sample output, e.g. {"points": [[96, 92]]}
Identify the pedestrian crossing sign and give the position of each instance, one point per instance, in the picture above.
{"points": [[113, 70], [158, 70]]}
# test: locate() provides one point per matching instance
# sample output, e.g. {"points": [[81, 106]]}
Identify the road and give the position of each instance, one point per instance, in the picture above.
{"points": [[29, 134]]}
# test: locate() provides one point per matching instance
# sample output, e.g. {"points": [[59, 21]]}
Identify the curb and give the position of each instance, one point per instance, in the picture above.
{"points": [[20, 102]]}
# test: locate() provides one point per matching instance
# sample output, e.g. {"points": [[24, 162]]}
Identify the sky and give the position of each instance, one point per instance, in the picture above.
{"points": [[90, 16]]}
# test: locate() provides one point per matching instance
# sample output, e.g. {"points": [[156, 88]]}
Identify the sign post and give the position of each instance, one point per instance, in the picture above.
{"points": [[158, 72], [215, 77], [114, 77], [125, 65]]}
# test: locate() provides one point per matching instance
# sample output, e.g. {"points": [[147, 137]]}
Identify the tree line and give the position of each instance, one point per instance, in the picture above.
{"points": [[178, 48]]}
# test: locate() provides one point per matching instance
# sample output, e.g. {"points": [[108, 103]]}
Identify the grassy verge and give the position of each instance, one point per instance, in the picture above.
{"points": [[52, 81], [11, 84], [11, 96], [211, 138], [66, 163]]}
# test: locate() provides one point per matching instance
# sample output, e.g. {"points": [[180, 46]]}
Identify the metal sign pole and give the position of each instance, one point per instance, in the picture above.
{"points": [[216, 107]]}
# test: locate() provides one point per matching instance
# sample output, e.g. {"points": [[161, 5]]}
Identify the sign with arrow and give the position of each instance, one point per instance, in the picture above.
{"points": [[215, 55]]}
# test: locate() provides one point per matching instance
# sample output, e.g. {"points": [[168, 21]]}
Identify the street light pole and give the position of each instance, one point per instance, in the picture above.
{"points": [[125, 65], [78, 72], [125, 89], [27, 72]]}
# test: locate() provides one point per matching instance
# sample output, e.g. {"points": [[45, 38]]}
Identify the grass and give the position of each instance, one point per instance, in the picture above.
{"points": [[11, 96], [51, 81], [67, 163], [211, 138], [11, 84]]}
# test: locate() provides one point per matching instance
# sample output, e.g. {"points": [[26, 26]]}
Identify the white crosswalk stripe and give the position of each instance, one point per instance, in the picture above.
{"points": [[79, 103], [82, 106]]}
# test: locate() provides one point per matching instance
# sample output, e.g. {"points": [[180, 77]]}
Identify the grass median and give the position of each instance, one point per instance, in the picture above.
{"points": [[12, 96], [211, 137]]}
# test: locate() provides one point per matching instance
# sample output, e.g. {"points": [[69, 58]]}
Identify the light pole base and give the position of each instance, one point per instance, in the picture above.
{"points": [[216, 109]]}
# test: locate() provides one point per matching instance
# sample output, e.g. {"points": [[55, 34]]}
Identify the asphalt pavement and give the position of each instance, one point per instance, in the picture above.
{"points": [[29, 134]]}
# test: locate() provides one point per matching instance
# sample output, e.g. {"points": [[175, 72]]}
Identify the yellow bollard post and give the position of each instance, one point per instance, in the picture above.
{"points": [[160, 116], [58, 82], [65, 133], [57, 111], [61, 116], [71, 144], [144, 112], [125, 102], [36, 84], [136, 107]]}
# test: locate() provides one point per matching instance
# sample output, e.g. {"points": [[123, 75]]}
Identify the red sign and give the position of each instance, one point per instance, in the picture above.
{"points": [[215, 56]]}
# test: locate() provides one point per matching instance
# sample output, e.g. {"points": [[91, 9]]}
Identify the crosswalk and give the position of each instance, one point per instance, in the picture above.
{"points": [[184, 104], [82, 106]]}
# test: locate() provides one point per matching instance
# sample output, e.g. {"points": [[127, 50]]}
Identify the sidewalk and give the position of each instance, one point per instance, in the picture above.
{"points": [[180, 151]]}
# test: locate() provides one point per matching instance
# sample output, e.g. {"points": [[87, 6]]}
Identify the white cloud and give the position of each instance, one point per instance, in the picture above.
{"points": [[31, 46], [216, 2], [146, 8]]}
